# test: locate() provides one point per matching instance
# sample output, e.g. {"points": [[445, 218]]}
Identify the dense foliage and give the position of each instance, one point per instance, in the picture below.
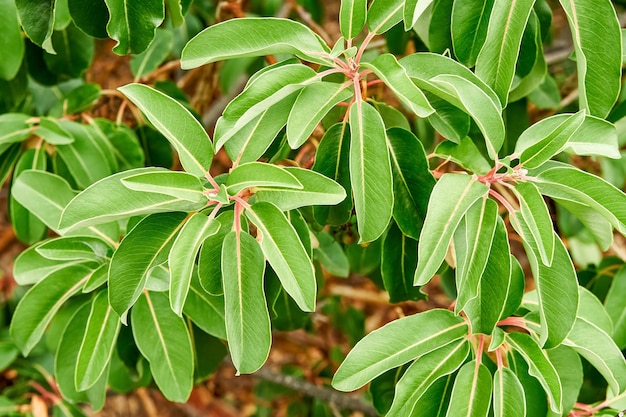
{"points": [[142, 260]]}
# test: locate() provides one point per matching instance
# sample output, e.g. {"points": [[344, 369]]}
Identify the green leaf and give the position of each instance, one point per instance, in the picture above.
{"points": [[508, 394], [557, 288], [150, 59], [99, 277], [37, 18], [423, 373], [412, 180], [14, 127], [413, 9], [473, 242], [370, 172], [495, 63], [487, 308], [28, 227], [569, 183], [285, 252], [258, 174], [162, 337], [387, 69], [471, 395], [144, 247], [75, 248], [423, 67], [597, 44], [50, 130], [595, 345], [539, 366], [177, 124], [11, 43], [470, 20], [74, 52], [91, 16], [133, 24], [100, 335], [30, 267], [89, 208], [464, 153], [247, 318], [396, 343], [42, 301], [352, 16], [570, 369], [536, 145], [384, 14], [205, 310], [316, 190], [613, 303], [182, 257], [398, 262], [452, 196], [313, 103], [238, 38], [331, 160], [210, 258], [331, 255], [537, 217], [479, 105], [66, 355], [171, 183]]}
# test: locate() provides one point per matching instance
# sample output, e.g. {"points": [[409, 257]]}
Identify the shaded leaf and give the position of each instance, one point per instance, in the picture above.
{"points": [[133, 24], [11, 43]]}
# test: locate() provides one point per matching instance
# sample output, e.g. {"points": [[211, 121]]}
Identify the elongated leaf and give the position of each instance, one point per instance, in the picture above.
{"points": [[370, 172], [313, 103], [210, 258], [74, 52], [545, 147], [413, 9], [11, 43], [423, 67], [539, 366], [257, 174], [144, 247], [177, 124], [471, 394], [133, 24], [331, 255], [37, 18], [412, 180], [496, 61], [75, 248], [53, 132], [352, 16], [205, 310], [43, 194], [331, 160], [473, 241], [557, 289], [91, 16], [397, 343], [30, 267], [285, 253], [66, 355], [470, 20], [316, 190], [597, 43], [595, 345], [14, 127], [382, 15], [614, 303], [387, 68], [253, 37], [174, 184], [182, 257], [247, 318], [398, 262], [423, 373], [485, 112], [98, 342], [89, 208], [28, 227], [569, 366], [508, 394], [537, 217], [150, 59], [452, 196], [162, 337], [41, 302], [487, 308], [569, 183]]}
